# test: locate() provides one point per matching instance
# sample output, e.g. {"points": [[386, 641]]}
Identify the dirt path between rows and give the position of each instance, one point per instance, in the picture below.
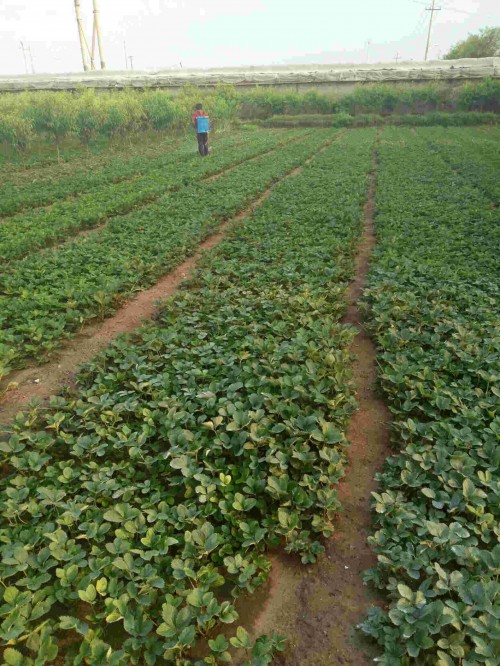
{"points": [[318, 607], [42, 381]]}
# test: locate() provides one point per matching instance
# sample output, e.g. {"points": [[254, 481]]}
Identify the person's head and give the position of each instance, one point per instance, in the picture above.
{"points": [[199, 107]]}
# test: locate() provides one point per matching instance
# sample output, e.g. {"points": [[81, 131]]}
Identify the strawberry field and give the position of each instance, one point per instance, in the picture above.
{"points": [[141, 505]]}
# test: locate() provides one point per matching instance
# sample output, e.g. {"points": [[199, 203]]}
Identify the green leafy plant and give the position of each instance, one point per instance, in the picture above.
{"points": [[432, 304], [143, 502]]}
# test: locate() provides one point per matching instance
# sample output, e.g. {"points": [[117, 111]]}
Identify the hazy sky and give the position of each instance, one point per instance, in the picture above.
{"points": [[211, 33]]}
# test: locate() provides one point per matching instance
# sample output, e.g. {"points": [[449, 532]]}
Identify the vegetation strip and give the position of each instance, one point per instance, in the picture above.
{"points": [[144, 145], [433, 303], [434, 118], [181, 457], [41, 193], [38, 228], [476, 159], [319, 609], [46, 298]]}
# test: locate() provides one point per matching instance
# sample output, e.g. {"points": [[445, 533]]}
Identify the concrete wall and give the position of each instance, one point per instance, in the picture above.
{"points": [[338, 78]]}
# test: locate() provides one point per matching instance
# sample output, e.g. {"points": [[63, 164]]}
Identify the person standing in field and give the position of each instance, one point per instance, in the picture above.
{"points": [[202, 135]]}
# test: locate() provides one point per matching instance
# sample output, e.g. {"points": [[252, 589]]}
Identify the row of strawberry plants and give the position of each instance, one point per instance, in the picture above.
{"points": [[40, 193], [433, 305], [145, 144], [41, 189], [35, 229], [475, 155], [182, 454], [46, 296]]}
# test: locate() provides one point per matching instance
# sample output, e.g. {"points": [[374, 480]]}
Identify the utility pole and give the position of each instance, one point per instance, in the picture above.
{"points": [[97, 31], [397, 57], [31, 60], [131, 58], [431, 10], [23, 49], [96, 38], [81, 35], [125, 52], [367, 50]]}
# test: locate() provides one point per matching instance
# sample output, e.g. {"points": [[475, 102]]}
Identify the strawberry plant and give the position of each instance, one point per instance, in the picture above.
{"points": [[37, 228], [42, 190], [140, 505], [48, 295], [433, 306]]}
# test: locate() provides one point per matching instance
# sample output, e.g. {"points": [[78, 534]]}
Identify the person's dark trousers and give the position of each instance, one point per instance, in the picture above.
{"points": [[203, 143]]}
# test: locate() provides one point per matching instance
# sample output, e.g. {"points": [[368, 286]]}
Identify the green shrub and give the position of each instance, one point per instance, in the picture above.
{"points": [[341, 120], [266, 102], [160, 110], [420, 98], [53, 114], [481, 96], [370, 98], [16, 132], [89, 116], [303, 120]]}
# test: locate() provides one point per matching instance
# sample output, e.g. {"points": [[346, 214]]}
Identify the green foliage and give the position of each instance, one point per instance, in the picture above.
{"points": [[130, 252], [89, 116], [483, 45], [268, 101], [483, 96], [432, 118], [15, 131], [143, 502], [370, 98], [123, 113], [54, 115], [433, 306], [160, 110], [298, 120]]}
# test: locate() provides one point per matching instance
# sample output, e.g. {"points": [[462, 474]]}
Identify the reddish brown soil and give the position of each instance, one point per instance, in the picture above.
{"points": [[318, 607]]}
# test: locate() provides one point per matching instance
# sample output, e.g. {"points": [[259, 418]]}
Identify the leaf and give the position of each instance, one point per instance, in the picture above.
{"points": [[241, 640], [187, 636], [199, 597], [219, 644], [13, 657], [10, 594], [113, 516], [67, 622], [102, 585], [89, 595], [405, 591], [227, 613]]}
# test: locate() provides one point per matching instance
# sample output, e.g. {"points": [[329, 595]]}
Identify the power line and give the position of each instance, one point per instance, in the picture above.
{"points": [[431, 10], [446, 8]]}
